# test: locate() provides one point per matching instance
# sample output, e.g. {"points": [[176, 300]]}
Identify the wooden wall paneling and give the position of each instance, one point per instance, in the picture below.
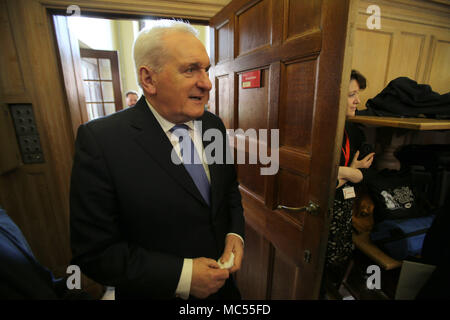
{"points": [[10, 156], [25, 198], [297, 103], [249, 178], [253, 26], [372, 58], [252, 278], [413, 26], [43, 188], [285, 272], [297, 23], [272, 124], [48, 227], [253, 103], [422, 12], [439, 66], [223, 106], [40, 61], [224, 36], [11, 80], [408, 57], [252, 114]]}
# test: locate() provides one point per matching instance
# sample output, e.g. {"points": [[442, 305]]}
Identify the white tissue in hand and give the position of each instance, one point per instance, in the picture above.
{"points": [[227, 264]]}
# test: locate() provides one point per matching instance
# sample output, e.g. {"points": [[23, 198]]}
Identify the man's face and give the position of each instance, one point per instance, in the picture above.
{"points": [[131, 99], [182, 86]]}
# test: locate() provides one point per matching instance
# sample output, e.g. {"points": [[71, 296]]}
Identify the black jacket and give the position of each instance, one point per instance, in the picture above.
{"points": [[403, 97]]}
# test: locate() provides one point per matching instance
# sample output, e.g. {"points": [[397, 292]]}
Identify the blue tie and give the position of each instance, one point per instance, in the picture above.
{"points": [[191, 160]]}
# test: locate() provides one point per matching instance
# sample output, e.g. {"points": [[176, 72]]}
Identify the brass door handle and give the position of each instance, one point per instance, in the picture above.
{"points": [[311, 208]]}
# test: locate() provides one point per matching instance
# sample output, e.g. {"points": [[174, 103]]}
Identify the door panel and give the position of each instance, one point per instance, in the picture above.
{"points": [[299, 48], [253, 25], [285, 273], [253, 104], [303, 16], [298, 80], [224, 38], [253, 277], [223, 105]]}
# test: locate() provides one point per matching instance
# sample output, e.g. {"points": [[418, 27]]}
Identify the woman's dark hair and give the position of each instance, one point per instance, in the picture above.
{"points": [[359, 78]]}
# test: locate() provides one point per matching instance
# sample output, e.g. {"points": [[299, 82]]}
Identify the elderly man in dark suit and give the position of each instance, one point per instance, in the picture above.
{"points": [[140, 222]]}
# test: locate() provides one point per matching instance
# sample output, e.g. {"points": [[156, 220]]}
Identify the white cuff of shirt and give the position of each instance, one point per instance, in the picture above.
{"points": [[184, 284], [238, 237]]}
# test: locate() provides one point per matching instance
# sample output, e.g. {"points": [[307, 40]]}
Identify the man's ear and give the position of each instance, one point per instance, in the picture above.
{"points": [[147, 79]]}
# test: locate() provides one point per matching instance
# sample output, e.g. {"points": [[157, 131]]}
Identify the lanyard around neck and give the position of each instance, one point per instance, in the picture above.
{"points": [[346, 152]]}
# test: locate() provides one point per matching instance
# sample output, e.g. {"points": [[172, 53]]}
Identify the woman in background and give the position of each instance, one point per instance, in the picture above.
{"points": [[351, 171]]}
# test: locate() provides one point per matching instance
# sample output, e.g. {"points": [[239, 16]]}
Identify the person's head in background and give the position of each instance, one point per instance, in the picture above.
{"points": [[172, 68], [357, 83], [131, 98]]}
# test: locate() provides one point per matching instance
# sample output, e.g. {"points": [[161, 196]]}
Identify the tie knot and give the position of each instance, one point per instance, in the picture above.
{"points": [[180, 130], [179, 127]]}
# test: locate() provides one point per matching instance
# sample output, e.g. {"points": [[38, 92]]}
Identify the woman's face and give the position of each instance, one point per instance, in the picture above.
{"points": [[353, 97]]}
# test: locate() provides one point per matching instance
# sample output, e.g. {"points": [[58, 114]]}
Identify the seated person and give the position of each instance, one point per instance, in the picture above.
{"points": [[21, 275]]}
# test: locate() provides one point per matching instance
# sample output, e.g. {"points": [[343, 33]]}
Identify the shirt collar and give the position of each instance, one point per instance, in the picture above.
{"points": [[165, 124]]}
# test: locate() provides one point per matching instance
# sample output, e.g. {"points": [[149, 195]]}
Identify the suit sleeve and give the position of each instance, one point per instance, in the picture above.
{"points": [[98, 245]]}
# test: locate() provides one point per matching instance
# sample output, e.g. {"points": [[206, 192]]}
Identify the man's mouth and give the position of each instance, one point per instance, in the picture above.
{"points": [[197, 98]]}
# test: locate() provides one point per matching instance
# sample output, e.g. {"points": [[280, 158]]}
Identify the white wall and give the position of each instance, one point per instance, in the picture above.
{"points": [[96, 33]]}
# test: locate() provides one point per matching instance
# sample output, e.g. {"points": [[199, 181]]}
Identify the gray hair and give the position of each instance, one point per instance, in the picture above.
{"points": [[149, 49]]}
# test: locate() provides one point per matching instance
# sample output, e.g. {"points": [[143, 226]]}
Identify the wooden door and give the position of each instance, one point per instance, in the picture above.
{"points": [[299, 47], [69, 57], [101, 80]]}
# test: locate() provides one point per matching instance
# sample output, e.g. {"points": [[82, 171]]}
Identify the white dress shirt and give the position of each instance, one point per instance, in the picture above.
{"points": [[184, 284]]}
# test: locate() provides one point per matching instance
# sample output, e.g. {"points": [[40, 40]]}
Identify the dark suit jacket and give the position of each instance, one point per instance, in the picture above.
{"points": [[135, 215]]}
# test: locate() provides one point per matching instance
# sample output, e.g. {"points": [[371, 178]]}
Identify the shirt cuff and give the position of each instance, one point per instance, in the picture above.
{"points": [[184, 284], [238, 237]]}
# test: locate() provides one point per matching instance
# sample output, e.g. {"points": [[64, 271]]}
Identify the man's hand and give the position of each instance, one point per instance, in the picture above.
{"points": [[207, 277], [365, 163], [233, 244]]}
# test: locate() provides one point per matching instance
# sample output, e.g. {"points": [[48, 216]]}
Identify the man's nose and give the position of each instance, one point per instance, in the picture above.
{"points": [[204, 82]]}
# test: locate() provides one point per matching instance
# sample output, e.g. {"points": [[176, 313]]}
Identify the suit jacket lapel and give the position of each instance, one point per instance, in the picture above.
{"points": [[155, 142]]}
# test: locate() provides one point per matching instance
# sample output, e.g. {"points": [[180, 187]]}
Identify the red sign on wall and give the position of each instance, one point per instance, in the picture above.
{"points": [[251, 79]]}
